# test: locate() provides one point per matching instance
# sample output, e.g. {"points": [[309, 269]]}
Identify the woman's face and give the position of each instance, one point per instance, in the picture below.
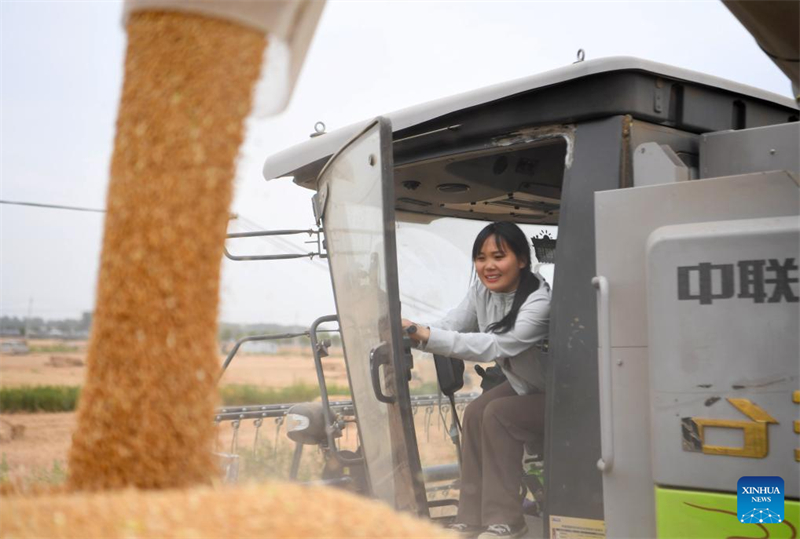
{"points": [[498, 268]]}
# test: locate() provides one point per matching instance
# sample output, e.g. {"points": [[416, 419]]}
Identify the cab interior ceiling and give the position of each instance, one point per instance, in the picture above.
{"points": [[519, 183]]}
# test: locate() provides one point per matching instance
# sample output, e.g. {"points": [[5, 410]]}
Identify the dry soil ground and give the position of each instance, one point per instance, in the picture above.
{"points": [[40, 453]]}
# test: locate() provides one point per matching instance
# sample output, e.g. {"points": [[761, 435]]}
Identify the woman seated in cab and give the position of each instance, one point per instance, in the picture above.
{"points": [[505, 313]]}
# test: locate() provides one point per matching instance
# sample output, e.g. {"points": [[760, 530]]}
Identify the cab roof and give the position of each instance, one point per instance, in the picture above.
{"points": [[642, 82]]}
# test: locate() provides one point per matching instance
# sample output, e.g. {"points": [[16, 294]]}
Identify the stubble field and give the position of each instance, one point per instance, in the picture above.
{"points": [[34, 446]]}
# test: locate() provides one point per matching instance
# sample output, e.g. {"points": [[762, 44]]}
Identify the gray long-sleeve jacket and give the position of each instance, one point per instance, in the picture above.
{"points": [[462, 334]]}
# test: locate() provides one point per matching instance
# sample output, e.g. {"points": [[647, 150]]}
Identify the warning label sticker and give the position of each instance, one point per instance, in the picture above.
{"points": [[576, 528]]}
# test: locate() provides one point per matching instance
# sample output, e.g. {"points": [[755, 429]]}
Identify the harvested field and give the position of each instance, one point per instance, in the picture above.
{"points": [[40, 454], [290, 367], [42, 447], [38, 369]]}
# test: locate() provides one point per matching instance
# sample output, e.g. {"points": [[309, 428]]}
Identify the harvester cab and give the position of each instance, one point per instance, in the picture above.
{"points": [[673, 344]]}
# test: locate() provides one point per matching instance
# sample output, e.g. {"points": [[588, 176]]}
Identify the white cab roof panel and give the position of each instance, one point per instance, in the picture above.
{"points": [[286, 162]]}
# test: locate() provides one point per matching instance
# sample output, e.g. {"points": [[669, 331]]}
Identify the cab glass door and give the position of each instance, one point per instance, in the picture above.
{"points": [[356, 202]]}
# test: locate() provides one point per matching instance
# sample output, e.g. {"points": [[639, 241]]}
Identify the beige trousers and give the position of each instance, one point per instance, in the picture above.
{"points": [[496, 426]]}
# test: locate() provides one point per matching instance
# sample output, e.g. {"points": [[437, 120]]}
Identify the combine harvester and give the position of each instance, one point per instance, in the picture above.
{"points": [[674, 359]]}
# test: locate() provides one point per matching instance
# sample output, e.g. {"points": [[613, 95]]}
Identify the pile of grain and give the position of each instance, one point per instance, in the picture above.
{"points": [[271, 510]]}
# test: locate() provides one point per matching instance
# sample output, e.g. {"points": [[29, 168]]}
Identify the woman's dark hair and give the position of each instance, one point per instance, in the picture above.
{"points": [[514, 238]]}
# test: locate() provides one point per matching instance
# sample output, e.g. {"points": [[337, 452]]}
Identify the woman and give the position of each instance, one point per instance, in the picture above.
{"points": [[506, 312]]}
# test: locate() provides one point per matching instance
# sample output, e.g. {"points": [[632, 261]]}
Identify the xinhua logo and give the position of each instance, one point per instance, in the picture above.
{"points": [[759, 500]]}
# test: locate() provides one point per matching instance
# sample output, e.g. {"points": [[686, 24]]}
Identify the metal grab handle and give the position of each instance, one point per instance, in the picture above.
{"points": [[331, 427], [606, 462], [263, 233], [379, 356]]}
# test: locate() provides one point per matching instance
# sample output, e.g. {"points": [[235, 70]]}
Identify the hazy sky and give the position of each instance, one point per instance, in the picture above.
{"points": [[60, 77]]}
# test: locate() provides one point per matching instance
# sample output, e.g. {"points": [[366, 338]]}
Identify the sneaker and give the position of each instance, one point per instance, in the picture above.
{"points": [[504, 531], [467, 531]]}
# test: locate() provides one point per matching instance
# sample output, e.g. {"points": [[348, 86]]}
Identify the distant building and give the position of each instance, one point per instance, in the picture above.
{"points": [[252, 347], [10, 331]]}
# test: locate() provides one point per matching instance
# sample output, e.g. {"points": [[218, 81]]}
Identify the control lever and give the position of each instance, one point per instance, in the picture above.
{"points": [[407, 356]]}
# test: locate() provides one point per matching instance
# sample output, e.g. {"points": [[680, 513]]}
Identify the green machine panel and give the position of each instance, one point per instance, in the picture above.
{"points": [[691, 514]]}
